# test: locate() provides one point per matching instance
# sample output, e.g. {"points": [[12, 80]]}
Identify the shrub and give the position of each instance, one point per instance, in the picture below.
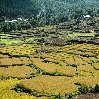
{"points": [[83, 89], [22, 88], [58, 96], [96, 89], [69, 96]]}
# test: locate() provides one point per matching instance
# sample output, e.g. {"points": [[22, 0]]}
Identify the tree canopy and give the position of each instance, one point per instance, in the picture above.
{"points": [[47, 12]]}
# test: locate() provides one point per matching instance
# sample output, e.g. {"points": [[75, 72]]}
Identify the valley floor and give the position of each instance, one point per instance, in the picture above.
{"points": [[47, 71]]}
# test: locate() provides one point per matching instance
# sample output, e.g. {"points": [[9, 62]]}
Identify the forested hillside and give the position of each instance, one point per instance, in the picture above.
{"points": [[43, 12], [47, 9]]}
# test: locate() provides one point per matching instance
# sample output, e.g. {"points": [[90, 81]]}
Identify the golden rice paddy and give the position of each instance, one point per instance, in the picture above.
{"points": [[55, 72], [14, 61], [17, 72]]}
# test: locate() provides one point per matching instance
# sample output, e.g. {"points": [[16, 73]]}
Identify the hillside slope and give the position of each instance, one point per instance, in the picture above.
{"points": [[41, 8]]}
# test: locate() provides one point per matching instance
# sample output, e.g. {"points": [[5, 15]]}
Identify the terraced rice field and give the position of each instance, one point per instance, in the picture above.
{"points": [[49, 71], [17, 72], [24, 49]]}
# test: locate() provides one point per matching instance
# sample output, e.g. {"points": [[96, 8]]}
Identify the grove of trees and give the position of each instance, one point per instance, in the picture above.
{"points": [[44, 12]]}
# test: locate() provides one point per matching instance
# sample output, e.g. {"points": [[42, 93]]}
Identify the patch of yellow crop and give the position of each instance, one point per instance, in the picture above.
{"points": [[93, 58], [97, 56], [7, 84], [14, 61], [45, 66], [17, 71], [53, 68], [86, 68], [75, 46], [89, 80], [51, 84], [64, 58], [96, 65], [84, 73], [78, 61], [67, 70], [69, 60], [6, 93], [3, 56], [86, 59], [88, 46], [96, 73], [11, 94], [25, 49]]}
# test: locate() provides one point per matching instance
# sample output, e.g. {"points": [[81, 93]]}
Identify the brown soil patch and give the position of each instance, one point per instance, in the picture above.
{"points": [[88, 96]]}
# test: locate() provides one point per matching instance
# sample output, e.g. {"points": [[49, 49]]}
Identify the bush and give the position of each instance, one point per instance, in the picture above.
{"points": [[22, 88], [83, 89], [69, 96], [58, 96], [96, 89]]}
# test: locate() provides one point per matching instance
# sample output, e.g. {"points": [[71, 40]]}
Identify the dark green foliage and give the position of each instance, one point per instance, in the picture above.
{"points": [[2, 19], [48, 11], [74, 65], [96, 89], [22, 88], [44, 12], [58, 96], [19, 25], [15, 8], [70, 96], [83, 89]]}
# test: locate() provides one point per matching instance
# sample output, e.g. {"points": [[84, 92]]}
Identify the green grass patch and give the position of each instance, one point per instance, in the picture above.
{"points": [[10, 42]]}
